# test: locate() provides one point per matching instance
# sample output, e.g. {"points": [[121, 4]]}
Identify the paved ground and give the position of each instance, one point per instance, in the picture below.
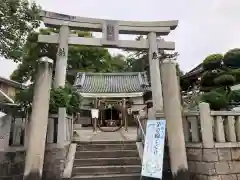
{"points": [[87, 134]]}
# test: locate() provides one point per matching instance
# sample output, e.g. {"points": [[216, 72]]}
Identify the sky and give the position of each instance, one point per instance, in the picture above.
{"points": [[205, 26]]}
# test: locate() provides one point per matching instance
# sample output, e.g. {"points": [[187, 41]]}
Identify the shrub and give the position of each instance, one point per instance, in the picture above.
{"points": [[232, 58], [234, 96], [59, 97], [236, 74], [216, 100], [64, 97], [213, 61], [225, 80]]}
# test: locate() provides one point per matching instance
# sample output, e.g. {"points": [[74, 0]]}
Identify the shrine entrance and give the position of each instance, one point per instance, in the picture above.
{"points": [[112, 117]]}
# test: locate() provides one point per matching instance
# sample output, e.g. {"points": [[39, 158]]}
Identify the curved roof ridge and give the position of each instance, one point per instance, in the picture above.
{"points": [[111, 73], [116, 82]]}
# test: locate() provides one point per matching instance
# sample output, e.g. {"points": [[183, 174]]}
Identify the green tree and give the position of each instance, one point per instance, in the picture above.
{"points": [[80, 58], [232, 58], [217, 101], [226, 81], [212, 61], [17, 19], [59, 97]]}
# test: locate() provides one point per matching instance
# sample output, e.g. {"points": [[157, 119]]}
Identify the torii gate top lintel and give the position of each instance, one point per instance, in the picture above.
{"points": [[94, 24]]}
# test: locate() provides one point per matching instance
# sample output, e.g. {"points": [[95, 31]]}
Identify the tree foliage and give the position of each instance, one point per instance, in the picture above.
{"points": [[232, 58], [17, 19], [225, 80], [80, 58], [64, 97], [219, 74], [217, 101], [212, 61], [59, 97]]}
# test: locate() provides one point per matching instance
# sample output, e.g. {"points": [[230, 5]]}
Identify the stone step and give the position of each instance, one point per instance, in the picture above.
{"points": [[106, 154], [107, 161], [105, 142], [100, 170], [108, 177], [105, 147]]}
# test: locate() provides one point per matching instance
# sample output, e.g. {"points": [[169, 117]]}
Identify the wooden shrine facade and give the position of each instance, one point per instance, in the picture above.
{"points": [[118, 96]]}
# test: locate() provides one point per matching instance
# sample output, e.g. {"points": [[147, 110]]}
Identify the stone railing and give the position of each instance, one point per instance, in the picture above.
{"points": [[14, 130], [209, 129], [14, 133]]}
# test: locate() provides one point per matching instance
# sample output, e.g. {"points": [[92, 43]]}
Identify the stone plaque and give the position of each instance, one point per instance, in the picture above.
{"points": [[154, 56], [61, 52], [110, 32]]}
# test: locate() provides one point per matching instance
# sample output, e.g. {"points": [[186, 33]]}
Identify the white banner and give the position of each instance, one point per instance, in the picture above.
{"points": [[154, 149]]}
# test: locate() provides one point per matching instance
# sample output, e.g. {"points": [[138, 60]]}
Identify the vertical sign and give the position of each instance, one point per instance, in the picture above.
{"points": [[154, 149], [110, 32]]}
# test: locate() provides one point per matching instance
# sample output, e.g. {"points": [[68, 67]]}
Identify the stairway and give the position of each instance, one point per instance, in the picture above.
{"points": [[112, 160]]}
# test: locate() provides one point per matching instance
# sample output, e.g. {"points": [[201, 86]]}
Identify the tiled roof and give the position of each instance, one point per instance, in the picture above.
{"points": [[195, 71], [126, 82], [11, 82]]}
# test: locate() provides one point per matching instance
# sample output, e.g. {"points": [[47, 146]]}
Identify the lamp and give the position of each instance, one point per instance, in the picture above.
{"points": [[129, 110], [94, 113]]}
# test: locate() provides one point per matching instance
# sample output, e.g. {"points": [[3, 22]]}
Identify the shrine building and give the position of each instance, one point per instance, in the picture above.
{"points": [[118, 96]]}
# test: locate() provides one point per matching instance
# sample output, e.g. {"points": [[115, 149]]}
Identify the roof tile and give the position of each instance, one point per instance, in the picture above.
{"points": [[112, 82]]}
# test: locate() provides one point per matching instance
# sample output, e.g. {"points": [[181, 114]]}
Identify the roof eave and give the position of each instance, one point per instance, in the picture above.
{"points": [[112, 95]]}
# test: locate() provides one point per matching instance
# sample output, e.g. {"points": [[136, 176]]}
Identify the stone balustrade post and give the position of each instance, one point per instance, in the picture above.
{"points": [[62, 115], [219, 129], [186, 129], [206, 121], [238, 128], [194, 125], [5, 128], [38, 121], [50, 130], [230, 129]]}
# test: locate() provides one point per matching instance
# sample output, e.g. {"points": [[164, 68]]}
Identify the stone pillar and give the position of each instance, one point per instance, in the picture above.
{"points": [[155, 75], [50, 130], [173, 115], [62, 56], [5, 128], [39, 121], [206, 122], [124, 114], [61, 138]]}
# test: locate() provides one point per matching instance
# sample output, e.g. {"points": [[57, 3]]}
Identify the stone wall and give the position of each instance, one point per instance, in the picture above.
{"points": [[12, 164], [54, 163], [214, 163]]}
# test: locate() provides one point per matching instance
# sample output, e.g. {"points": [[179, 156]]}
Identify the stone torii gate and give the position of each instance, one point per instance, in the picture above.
{"points": [[111, 30]]}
